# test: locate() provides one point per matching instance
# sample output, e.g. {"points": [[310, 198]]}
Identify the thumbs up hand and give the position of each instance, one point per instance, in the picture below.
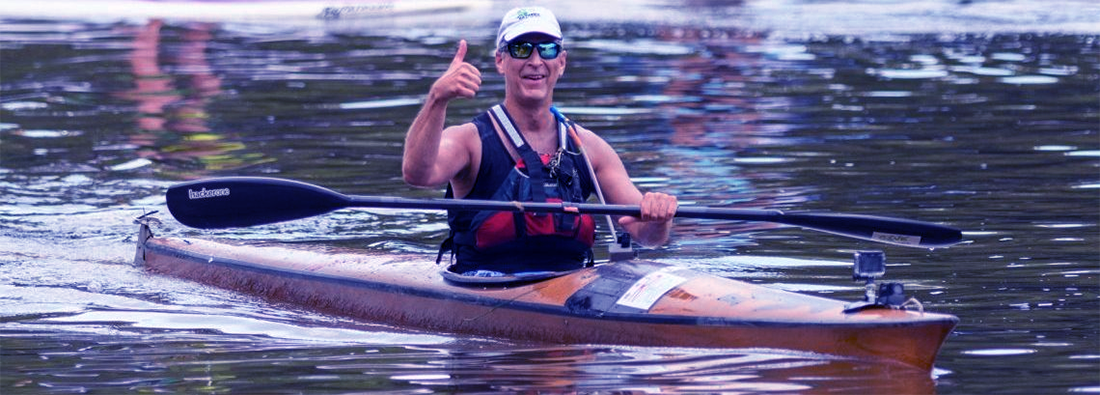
{"points": [[460, 80]]}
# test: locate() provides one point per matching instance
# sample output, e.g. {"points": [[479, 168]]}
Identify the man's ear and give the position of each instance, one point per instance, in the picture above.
{"points": [[499, 59], [563, 63]]}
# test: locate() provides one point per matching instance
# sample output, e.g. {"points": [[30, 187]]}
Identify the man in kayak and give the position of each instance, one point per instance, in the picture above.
{"points": [[522, 150]]}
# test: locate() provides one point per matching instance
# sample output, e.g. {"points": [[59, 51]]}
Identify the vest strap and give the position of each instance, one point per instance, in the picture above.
{"points": [[530, 158]]}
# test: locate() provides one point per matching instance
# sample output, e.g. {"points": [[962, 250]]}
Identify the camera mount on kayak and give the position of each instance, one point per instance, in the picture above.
{"points": [[868, 266], [620, 250]]}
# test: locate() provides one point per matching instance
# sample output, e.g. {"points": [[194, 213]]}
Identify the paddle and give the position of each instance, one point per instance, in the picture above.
{"points": [[245, 201]]}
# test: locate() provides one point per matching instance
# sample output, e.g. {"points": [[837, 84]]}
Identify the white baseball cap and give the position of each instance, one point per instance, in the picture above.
{"points": [[524, 20]]}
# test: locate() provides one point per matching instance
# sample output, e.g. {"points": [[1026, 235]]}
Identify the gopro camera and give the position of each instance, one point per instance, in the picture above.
{"points": [[869, 265]]}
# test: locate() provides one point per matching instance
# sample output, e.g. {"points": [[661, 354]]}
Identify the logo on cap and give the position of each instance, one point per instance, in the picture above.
{"points": [[525, 13]]}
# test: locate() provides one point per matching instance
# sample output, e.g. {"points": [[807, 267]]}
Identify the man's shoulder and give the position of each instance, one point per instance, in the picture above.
{"points": [[462, 128], [462, 136], [588, 137]]}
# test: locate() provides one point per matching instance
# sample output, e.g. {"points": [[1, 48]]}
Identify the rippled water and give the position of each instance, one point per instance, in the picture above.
{"points": [[981, 115]]}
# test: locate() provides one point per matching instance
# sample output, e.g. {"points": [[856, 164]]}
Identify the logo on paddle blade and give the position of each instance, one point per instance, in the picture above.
{"points": [[891, 238], [207, 193]]}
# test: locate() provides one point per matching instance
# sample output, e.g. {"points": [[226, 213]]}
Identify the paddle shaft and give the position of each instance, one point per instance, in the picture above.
{"points": [[247, 201], [881, 229], [535, 207]]}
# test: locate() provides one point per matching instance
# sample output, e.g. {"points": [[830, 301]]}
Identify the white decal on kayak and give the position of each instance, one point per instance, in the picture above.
{"points": [[207, 193], [645, 293], [904, 240]]}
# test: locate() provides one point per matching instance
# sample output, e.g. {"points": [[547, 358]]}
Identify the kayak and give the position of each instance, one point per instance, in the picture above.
{"points": [[632, 302], [235, 10]]}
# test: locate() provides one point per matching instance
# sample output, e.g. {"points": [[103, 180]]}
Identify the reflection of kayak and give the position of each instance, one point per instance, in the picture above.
{"points": [[232, 10], [632, 302]]}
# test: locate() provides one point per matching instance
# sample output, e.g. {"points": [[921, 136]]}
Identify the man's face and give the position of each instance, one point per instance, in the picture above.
{"points": [[531, 79]]}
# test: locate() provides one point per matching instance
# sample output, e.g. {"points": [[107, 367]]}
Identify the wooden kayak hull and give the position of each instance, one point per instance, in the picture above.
{"points": [[634, 302]]}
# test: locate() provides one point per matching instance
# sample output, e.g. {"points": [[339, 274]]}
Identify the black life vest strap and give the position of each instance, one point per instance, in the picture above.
{"points": [[448, 245], [535, 169]]}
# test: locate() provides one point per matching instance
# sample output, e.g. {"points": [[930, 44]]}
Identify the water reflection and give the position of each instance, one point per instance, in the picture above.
{"points": [[994, 133], [649, 370], [719, 122], [172, 100], [195, 362]]}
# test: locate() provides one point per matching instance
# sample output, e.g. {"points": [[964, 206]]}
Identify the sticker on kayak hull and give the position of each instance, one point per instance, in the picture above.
{"points": [[905, 240], [644, 293]]}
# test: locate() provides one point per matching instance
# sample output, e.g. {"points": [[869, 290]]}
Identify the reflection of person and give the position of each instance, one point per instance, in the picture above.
{"points": [[153, 89], [523, 150], [724, 118], [160, 103], [172, 100]]}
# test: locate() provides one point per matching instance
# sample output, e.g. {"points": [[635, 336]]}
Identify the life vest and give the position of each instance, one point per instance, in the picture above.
{"points": [[511, 242]]}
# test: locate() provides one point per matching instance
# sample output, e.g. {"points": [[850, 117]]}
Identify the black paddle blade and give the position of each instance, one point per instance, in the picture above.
{"points": [[246, 201], [887, 230]]}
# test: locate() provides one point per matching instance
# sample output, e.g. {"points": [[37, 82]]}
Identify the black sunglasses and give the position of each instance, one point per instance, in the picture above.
{"points": [[523, 50]]}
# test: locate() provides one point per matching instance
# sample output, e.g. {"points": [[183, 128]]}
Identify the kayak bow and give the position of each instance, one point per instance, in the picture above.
{"points": [[634, 302]]}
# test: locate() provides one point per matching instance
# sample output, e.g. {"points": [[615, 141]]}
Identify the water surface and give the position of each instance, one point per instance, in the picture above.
{"points": [[979, 115]]}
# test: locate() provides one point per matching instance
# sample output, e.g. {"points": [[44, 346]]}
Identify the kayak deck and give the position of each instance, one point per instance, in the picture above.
{"points": [[634, 302]]}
